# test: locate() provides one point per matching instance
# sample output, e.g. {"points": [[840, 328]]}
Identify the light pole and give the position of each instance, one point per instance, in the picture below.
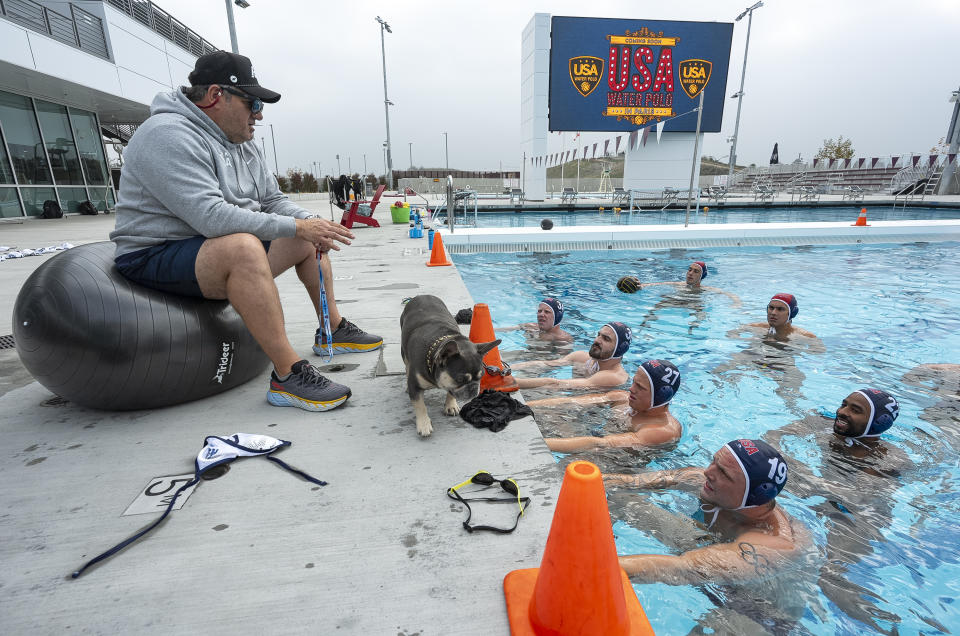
{"points": [[446, 149], [243, 4], [339, 171], [410, 143], [739, 94], [386, 101]]}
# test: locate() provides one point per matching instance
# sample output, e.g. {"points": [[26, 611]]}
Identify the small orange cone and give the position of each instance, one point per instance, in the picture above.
{"points": [[862, 219], [438, 256], [579, 587], [481, 330]]}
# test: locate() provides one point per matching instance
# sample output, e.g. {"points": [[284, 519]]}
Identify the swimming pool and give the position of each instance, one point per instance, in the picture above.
{"points": [[879, 311], [792, 214]]}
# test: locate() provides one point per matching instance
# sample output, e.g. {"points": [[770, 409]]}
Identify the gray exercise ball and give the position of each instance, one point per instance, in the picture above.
{"points": [[97, 339]]}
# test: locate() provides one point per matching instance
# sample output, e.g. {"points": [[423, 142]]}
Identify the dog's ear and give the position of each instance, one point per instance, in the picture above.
{"points": [[484, 347], [449, 349]]}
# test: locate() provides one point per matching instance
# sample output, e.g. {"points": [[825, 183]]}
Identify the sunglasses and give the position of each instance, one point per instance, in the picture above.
{"points": [[485, 479], [255, 104]]}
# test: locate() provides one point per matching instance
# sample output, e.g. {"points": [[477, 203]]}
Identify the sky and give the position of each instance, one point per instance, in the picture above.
{"points": [[878, 72]]}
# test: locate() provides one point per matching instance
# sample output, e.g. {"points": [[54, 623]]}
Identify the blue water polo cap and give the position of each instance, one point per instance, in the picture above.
{"points": [[623, 335], [884, 409], [664, 380], [764, 468], [703, 268], [789, 301], [556, 307]]}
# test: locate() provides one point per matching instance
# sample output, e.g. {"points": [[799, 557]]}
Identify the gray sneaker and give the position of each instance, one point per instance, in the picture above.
{"points": [[347, 337], [306, 389]]}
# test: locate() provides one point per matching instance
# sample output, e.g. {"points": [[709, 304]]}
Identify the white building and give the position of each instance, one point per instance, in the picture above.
{"points": [[71, 75]]}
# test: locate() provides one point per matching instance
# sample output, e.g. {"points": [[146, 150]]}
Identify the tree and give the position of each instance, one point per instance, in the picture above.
{"points": [[309, 183], [839, 149], [283, 184], [296, 180]]}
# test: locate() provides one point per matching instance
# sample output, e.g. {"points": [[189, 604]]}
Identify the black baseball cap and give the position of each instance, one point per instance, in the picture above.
{"points": [[230, 69]]}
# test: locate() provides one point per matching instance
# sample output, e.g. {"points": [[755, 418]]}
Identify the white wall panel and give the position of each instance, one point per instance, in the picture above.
{"points": [[65, 62], [14, 46]]}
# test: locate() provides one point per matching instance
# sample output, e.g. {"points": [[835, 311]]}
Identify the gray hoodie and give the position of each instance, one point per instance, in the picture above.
{"points": [[182, 177]]}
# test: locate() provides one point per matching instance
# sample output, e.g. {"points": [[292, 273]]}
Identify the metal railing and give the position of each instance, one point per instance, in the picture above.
{"points": [[150, 15], [80, 29]]}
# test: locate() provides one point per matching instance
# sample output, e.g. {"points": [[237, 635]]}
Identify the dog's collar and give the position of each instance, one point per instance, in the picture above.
{"points": [[432, 351]]}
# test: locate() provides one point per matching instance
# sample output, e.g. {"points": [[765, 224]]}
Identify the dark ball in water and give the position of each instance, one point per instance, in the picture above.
{"points": [[628, 284], [546, 224]]}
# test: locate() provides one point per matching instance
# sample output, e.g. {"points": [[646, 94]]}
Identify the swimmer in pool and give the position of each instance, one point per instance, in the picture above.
{"points": [[696, 273], [753, 536], [600, 367], [858, 473], [648, 411], [547, 327], [774, 353], [781, 310]]}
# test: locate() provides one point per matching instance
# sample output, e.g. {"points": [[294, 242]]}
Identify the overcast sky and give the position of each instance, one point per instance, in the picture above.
{"points": [[877, 71]]}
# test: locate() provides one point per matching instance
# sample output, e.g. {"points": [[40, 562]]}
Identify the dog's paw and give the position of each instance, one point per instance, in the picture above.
{"points": [[450, 407], [424, 427]]}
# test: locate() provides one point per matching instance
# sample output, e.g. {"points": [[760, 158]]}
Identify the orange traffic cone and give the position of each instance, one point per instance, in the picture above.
{"points": [[438, 256], [579, 587], [481, 330], [862, 219]]}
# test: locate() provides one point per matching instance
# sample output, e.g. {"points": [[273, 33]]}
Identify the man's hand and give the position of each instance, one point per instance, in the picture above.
{"points": [[323, 233]]}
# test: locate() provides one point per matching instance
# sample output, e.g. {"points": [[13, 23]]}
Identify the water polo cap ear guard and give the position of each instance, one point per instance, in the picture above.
{"points": [[884, 409], [666, 384], [790, 301], [485, 479], [764, 486]]}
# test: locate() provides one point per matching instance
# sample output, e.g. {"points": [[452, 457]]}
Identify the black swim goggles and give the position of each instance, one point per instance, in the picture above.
{"points": [[255, 104], [483, 478]]}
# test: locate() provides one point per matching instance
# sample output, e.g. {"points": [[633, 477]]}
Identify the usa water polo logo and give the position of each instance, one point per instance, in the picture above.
{"points": [[749, 446], [585, 73], [211, 452], [694, 75]]}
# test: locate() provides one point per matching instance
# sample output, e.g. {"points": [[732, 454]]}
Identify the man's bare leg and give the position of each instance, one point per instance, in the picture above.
{"points": [[293, 252], [235, 267]]}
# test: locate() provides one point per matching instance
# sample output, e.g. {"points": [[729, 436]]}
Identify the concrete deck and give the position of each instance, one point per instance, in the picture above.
{"points": [[380, 550]]}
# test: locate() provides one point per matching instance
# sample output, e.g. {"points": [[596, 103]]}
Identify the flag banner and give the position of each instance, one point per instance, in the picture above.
{"points": [[893, 161], [873, 162], [660, 126], [775, 155], [632, 140], [916, 160]]}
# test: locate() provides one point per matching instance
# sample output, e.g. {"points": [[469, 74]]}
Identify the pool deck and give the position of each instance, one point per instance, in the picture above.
{"points": [[380, 550]]}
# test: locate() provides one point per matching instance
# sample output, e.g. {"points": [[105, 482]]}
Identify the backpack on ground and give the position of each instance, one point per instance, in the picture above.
{"points": [[51, 210], [87, 208]]}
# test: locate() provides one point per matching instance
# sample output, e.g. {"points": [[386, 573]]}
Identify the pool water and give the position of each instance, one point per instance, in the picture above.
{"points": [[886, 546], [792, 214]]}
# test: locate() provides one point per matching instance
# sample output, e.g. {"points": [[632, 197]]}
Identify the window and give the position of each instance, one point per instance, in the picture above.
{"points": [[71, 198], [59, 142], [33, 199], [23, 140], [89, 146], [9, 203]]}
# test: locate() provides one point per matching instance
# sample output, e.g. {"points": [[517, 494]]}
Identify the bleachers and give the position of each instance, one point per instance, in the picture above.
{"points": [[826, 181]]}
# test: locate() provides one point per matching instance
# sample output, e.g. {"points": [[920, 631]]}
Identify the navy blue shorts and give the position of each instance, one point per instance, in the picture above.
{"points": [[169, 267]]}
